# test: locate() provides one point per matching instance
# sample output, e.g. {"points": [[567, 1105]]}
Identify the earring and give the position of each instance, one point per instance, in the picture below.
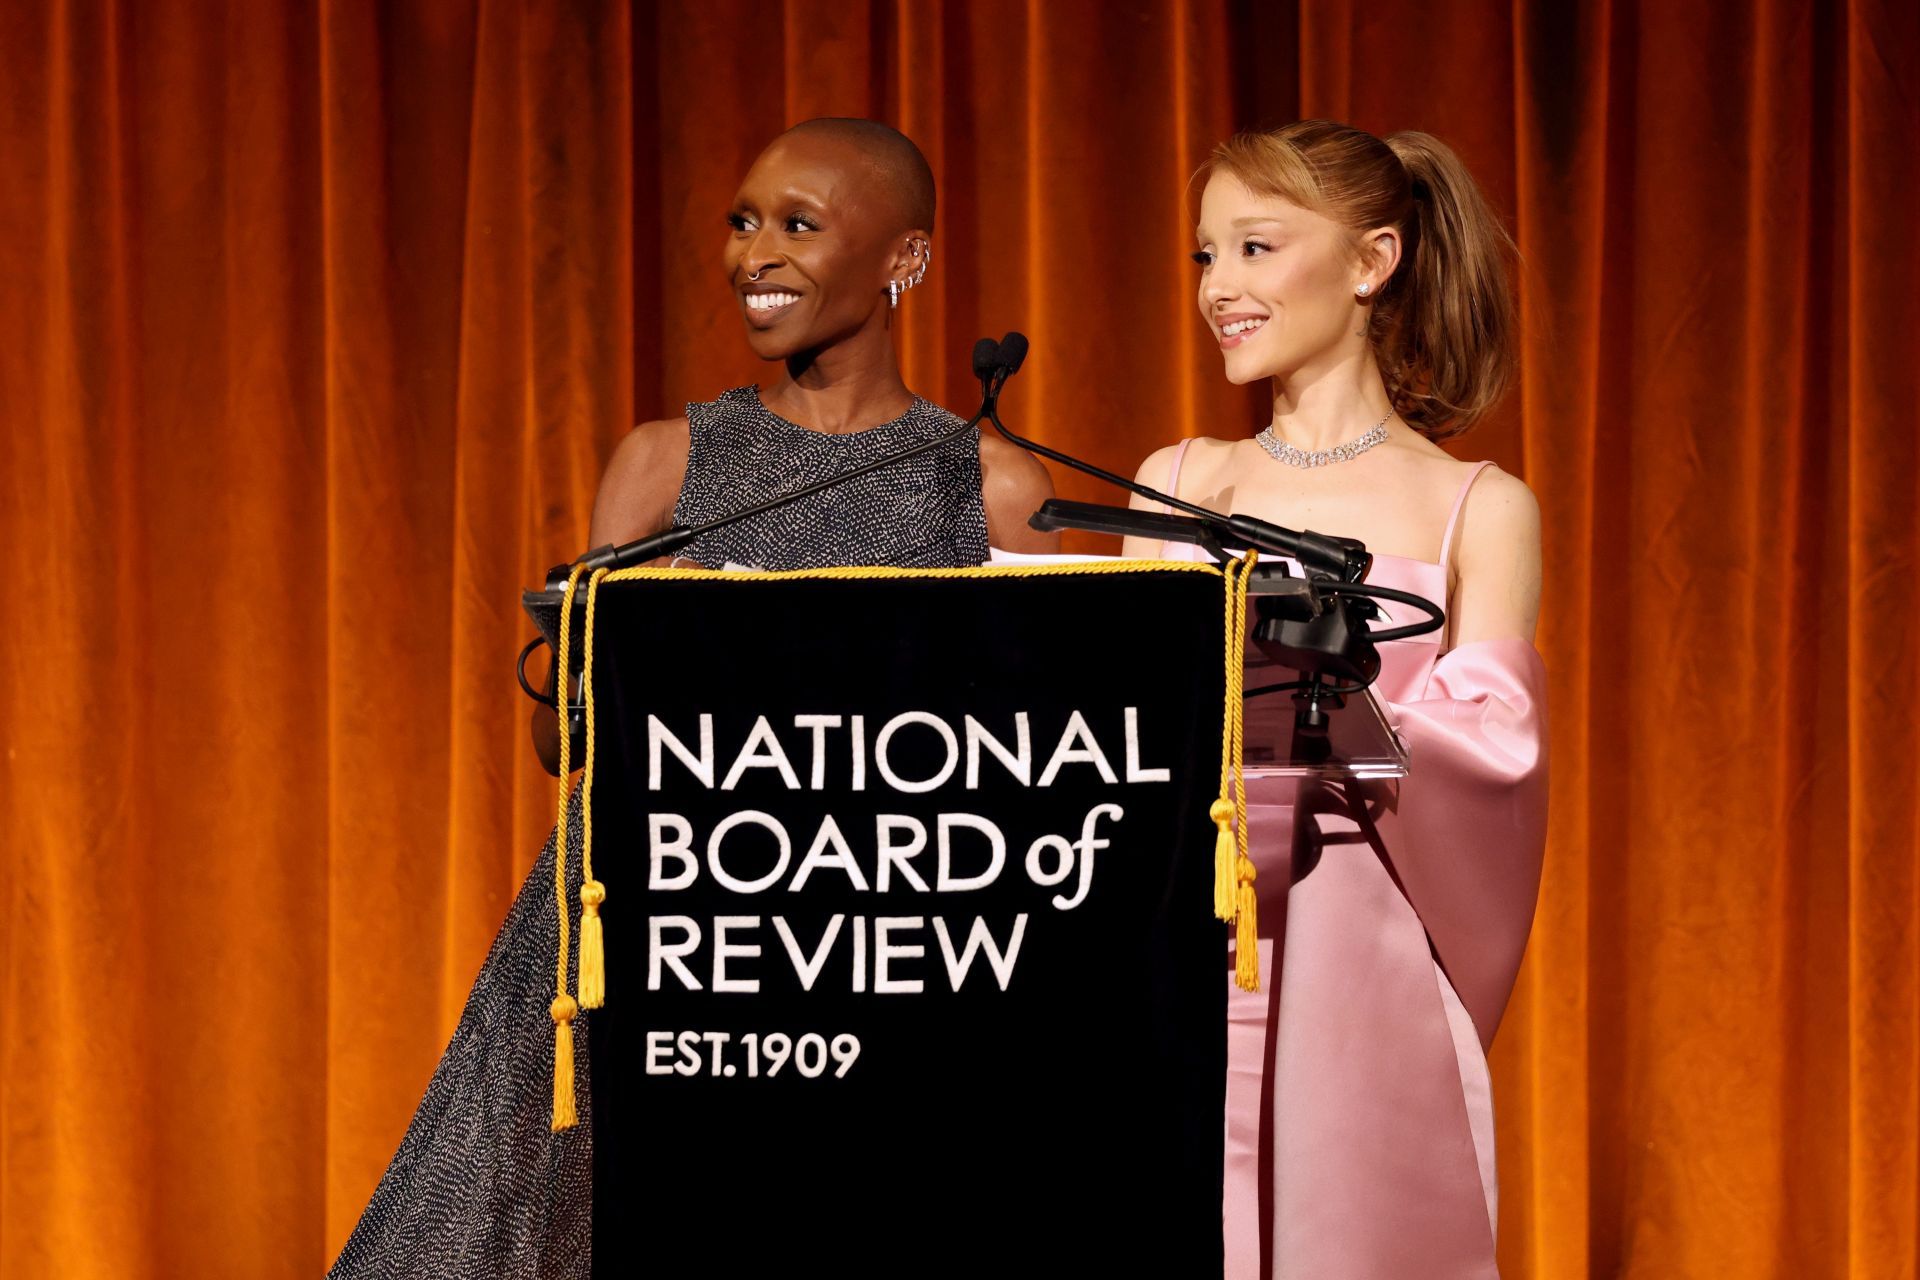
{"points": [[924, 252], [1363, 290]]}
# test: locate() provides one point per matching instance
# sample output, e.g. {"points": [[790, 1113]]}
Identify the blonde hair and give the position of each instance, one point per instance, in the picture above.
{"points": [[1442, 325]]}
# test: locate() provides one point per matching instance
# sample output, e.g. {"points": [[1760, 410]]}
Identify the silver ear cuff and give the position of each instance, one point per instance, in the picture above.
{"points": [[924, 252]]}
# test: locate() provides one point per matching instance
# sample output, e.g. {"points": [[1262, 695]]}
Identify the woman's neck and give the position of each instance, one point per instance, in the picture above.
{"points": [[847, 387], [1329, 406]]}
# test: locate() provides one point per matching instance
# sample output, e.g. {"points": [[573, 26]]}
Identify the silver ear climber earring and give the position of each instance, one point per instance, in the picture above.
{"points": [[924, 252], [1364, 289]]}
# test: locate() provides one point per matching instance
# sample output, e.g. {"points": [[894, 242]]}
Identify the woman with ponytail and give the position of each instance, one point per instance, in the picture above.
{"points": [[1365, 280]]}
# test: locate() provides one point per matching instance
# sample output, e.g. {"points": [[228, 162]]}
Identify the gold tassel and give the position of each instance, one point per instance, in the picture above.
{"points": [[1246, 973], [1224, 851], [592, 983], [563, 1009], [593, 961], [1232, 848]]}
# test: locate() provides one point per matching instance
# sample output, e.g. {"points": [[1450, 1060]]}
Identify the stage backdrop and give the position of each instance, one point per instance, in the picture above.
{"points": [[318, 319]]}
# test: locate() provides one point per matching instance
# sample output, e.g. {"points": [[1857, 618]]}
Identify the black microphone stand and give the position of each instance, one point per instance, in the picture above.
{"points": [[1316, 624], [1343, 559], [667, 541]]}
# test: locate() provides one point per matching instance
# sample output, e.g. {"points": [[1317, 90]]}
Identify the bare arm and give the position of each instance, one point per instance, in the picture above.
{"points": [[1013, 484], [641, 483], [1496, 592], [636, 497]]}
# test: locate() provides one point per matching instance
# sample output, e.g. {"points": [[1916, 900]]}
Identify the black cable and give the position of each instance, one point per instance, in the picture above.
{"points": [[1436, 617], [1274, 688], [520, 671]]}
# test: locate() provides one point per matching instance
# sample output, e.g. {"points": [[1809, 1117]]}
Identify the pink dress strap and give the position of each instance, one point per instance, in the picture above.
{"points": [[1173, 487], [1173, 472], [1453, 519]]}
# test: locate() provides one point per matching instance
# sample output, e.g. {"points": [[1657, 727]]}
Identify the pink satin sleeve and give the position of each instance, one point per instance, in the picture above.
{"points": [[1468, 831]]}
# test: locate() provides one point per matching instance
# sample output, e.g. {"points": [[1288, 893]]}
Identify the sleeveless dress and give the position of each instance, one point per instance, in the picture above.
{"points": [[480, 1186], [1359, 1114], [925, 512]]}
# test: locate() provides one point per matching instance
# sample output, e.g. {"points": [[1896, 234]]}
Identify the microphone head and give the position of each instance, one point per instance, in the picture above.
{"points": [[986, 355], [1013, 352]]}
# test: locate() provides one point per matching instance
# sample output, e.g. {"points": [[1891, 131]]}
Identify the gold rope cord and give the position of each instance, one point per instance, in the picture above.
{"points": [[1221, 810], [563, 1007], [1246, 973], [1079, 568], [1234, 871], [593, 965]]}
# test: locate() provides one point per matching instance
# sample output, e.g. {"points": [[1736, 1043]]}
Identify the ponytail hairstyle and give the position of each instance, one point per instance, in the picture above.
{"points": [[1442, 325]]}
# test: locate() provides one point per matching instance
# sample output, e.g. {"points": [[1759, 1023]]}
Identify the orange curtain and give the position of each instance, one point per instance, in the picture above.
{"points": [[317, 320]]}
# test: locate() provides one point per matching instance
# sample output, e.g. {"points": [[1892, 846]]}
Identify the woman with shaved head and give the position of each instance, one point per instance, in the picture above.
{"points": [[830, 230]]}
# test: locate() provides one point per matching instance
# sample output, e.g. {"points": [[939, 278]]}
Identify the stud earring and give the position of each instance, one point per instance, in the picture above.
{"points": [[1363, 290]]}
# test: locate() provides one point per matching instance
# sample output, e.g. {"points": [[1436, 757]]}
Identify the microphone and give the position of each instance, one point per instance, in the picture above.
{"points": [[986, 358], [1319, 629], [988, 355], [1343, 559], [989, 365], [1013, 351]]}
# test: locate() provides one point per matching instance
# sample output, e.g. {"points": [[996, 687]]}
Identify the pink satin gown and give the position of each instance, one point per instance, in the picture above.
{"points": [[1393, 917]]}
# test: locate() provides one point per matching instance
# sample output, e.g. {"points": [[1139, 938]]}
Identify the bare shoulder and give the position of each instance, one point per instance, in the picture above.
{"points": [[1013, 484], [641, 483], [1500, 509], [1199, 457], [1497, 563], [1007, 469], [1155, 468]]}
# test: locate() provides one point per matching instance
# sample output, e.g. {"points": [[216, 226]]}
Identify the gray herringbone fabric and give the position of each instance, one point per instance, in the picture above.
{"points": [[480, 1186]]}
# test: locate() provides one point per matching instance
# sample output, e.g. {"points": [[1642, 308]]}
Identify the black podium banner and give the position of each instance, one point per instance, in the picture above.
{"points": [[911, 963]]}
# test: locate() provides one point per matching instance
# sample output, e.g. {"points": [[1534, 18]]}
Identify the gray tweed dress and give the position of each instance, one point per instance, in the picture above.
{"points": [[925, 512], [480, 1186]]}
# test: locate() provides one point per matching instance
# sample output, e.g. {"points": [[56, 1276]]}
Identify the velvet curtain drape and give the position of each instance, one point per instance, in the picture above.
{"points": [[317, 320]]}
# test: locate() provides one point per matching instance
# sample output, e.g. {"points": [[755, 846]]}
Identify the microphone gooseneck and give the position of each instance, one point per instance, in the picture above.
{"points": [[1342, 559], [988, 355], [1318, 628], [988, 364], [678, 536]]}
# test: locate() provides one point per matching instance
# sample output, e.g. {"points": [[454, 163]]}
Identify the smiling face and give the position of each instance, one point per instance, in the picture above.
{"points": [[816, 239], [1277, 283]]}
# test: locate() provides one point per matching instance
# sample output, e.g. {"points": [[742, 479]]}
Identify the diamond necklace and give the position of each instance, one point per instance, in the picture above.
{"points": [[1281, 451]]}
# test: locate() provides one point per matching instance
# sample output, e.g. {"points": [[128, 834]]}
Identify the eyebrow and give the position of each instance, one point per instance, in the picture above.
{"points": [[1199, 233], [784, 198]]}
